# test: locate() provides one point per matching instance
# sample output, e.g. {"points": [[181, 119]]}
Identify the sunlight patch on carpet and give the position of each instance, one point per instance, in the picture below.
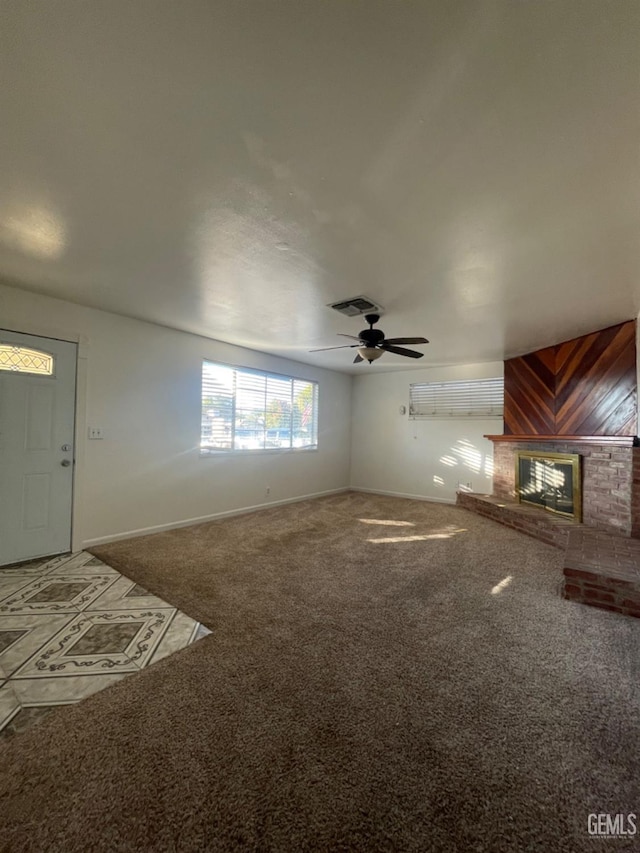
{"points": [[500, 586], [445, 534]]}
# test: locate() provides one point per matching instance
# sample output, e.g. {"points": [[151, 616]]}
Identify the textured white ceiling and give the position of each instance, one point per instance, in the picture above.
{"points": [[229, 167]]}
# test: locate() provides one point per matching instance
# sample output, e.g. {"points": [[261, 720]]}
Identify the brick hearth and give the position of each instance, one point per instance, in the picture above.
{"points": [[602, 554], [603, 570], [600, 569], [552, 529]]}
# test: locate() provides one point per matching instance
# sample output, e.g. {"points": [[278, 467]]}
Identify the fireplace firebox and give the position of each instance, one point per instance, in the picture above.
{"points": [[550, 481]]}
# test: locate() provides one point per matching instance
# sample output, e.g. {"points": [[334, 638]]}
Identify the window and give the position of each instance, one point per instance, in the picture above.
{"points": [[17, 359], [245, 409], [477, 398]]}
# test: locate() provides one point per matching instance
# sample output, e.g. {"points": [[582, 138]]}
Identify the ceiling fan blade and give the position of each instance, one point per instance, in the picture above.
{"points": [[341, 346], [358, 358], [406, 341], [401, 350], [353, 337]]}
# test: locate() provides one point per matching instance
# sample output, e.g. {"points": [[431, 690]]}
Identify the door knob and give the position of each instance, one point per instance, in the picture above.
{"points": [[65, 463]]}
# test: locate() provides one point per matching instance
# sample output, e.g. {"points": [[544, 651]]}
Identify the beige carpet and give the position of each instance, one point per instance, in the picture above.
{"points": [[367, 686]]}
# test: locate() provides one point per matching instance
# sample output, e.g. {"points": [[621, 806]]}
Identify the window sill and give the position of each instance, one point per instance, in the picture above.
{"points": [[269, 451]]}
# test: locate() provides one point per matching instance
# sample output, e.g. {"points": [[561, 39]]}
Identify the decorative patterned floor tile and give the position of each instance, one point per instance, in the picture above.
{"points": [[24, 719], [125, 594], [181, 633], [100, 642], [13, 582], [53, 594], [84, 564], [105, 639], [31, 567], [202, 631], [30, 633], [8, 638], [36, 692], [70, 626], [9, 704], [136, 591]]}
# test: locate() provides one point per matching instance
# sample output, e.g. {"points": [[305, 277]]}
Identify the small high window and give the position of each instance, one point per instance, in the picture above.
{"points": [[18, 359], [244, 409], [475, 398]]}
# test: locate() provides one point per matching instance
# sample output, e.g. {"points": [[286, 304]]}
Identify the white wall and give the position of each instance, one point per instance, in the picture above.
{"points": [[419, 458], [141, 384]]}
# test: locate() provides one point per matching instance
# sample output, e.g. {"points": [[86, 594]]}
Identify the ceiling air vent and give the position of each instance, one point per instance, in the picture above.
{"points": [[356, 305]]}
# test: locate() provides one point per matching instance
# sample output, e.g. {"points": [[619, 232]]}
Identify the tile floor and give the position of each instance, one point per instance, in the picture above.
{"points": [[70, 626]]}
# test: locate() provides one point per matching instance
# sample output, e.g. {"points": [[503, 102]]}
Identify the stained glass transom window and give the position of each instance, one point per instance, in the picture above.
{"points": [[24, 360]]}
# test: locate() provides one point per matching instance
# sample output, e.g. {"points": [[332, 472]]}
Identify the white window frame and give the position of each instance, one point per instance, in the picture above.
{"points": [[468, 398], [262, 374]]}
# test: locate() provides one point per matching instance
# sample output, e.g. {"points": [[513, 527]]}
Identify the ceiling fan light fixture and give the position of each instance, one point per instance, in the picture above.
{"points": [[371, 343], [370, 353]]}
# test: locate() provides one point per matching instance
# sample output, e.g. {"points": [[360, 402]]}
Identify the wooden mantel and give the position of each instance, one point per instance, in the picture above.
{"points": [[620, 440]]}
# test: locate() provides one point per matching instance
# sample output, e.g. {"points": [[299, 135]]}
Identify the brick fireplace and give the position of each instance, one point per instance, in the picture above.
{"points": [[610, 486], [610, 476], [578, 397], [602, 554]]}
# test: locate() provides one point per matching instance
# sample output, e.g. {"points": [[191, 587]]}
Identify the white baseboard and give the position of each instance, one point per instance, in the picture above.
{"points": [[187, 522], [403, 495]]}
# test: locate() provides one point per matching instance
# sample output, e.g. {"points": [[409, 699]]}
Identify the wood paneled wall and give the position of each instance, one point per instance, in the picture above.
{"points": [[586, 386]]}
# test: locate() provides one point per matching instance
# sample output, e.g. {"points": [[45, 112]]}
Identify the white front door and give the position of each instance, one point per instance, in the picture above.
{"points": [[37, 405]]}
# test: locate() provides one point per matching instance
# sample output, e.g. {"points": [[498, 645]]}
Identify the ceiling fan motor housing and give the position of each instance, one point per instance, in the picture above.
{"points": [[372, 343], [372, 337]]}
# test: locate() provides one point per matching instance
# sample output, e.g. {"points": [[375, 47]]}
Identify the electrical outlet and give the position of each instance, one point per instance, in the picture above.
{"points": [[268, 491], [96, 433]]}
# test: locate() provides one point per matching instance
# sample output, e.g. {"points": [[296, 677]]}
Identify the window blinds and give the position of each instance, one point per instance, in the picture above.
{"points": [[476, 398], [250, 410]]}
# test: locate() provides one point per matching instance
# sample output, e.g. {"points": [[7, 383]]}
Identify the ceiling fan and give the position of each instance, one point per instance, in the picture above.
{"points": [[372, 343]]}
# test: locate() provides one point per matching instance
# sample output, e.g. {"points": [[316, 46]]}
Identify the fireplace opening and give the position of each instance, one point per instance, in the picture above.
{"points": [[550, 481]]}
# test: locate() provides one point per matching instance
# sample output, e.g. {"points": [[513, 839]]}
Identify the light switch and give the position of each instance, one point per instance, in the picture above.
{"points": [[96, 433]]}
